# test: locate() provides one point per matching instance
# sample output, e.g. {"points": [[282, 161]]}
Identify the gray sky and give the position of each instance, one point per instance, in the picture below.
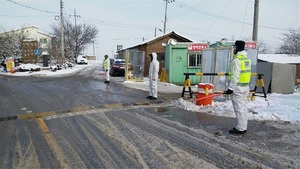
{"points": [[128, 22]]}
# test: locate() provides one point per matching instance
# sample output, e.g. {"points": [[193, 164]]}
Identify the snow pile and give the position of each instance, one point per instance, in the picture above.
{"points": [[278, 107], [28, 67]]}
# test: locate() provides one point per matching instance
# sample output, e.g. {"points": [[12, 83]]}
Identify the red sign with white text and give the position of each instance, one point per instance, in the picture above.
{"points": [[197, 46], [251, 45]]}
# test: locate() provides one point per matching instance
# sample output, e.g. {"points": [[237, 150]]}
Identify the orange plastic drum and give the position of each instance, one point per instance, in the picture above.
{"points": [[12, 71], [204, 94]]}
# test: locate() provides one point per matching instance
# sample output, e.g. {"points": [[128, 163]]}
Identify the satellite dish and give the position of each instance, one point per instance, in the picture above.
{"points": [[223, 40], [172, 42]]}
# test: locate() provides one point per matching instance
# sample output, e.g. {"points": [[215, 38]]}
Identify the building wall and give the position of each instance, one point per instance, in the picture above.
{"points": [[34, 40], [159, 49], [28, 48]]}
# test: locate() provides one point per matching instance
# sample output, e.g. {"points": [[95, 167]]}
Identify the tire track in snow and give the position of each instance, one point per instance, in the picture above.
{"points": [[241, 149], [156, 151], [134, 138], [216, 152]]}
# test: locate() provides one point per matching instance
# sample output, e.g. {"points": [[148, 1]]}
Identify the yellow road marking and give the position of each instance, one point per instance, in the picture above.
{"points": [[32, 115], [76, 109], [57, 151], [117, 105]]}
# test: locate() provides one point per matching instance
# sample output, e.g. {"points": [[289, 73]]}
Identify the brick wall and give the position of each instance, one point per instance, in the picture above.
{"points": [[160, 50], [28, 48]]}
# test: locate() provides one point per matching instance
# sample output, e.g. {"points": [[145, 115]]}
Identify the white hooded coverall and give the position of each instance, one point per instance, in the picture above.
{"points": [[153, 75], [240, 93]]}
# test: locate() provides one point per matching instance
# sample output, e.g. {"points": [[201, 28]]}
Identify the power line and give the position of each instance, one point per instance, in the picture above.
{"points": [[244, 18], [217, 18], [203, 12], [86, 19], [190, 9], [182, 5], [26, 16], [31, 7]]}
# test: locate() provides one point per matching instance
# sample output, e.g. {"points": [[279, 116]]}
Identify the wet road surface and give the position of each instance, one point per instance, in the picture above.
{"points": [[80, 122]]}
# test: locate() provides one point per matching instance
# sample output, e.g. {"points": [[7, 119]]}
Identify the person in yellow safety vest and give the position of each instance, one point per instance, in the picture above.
{"points": [[239, 76], [106, 66]]}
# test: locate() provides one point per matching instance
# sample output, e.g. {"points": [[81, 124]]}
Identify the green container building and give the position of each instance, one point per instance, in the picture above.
{"points": [[183, 58]]}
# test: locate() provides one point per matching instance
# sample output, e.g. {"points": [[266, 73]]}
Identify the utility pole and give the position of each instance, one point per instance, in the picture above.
{"points": [[93, 48], [166, 13], [76, 36], [62, 31], [255, 21], [75, 16], [165, 22]]}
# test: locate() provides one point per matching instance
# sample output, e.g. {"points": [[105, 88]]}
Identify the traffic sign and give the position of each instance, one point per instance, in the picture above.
{"points": [[37, 52]]}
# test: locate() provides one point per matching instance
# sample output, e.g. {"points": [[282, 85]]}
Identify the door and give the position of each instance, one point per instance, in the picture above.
{"points": [[179, 65]]}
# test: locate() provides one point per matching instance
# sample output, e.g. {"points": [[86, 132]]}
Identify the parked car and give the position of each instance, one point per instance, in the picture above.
{"points": [[118, 67], [81, 59], [111, 61]]}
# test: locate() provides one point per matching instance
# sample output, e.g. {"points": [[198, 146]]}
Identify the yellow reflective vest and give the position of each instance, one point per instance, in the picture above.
{"points": [[245, 74], [106, 64]]}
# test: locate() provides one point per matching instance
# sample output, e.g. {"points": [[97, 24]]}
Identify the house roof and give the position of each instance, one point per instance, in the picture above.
{"points": [[27, 27], [160, 37], [280, 58]]}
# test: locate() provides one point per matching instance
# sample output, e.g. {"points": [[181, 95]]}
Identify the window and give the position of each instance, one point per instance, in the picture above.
{"points": [[194, 60], [43, 40]]}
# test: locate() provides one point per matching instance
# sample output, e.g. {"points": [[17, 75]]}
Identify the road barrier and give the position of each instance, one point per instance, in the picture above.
{"points": [[187, 83]]}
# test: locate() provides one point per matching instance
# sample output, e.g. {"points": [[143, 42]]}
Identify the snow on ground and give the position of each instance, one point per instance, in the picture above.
{"points": [[46, 71], [278, 107]]}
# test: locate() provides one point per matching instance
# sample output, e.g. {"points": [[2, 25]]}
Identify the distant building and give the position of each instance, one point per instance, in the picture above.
{"points": [[281, 72], [34, 45]]}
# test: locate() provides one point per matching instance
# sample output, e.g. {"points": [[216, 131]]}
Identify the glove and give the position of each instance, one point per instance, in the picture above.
{"points": [[229, 91]]}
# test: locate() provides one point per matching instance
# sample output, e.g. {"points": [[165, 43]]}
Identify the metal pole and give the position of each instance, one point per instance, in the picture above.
{"points": [[255, 20], [75, 35], [62, 30], [93, 48], [165, 22]]}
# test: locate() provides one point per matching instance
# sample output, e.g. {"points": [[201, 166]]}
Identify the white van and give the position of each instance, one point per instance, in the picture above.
{"points": [[81, 59]]}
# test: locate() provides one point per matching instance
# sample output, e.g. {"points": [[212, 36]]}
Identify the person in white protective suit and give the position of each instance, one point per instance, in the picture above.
{"points": [[153, 76], [239, 76]]}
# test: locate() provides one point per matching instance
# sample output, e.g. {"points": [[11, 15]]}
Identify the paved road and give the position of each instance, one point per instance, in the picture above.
{"points": [[78, 121]]}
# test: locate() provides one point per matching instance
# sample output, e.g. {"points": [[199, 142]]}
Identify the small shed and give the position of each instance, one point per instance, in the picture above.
{"points": [[157, 45], [280, 72]]}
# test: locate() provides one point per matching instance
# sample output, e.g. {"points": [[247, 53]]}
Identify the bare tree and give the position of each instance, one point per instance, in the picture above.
{"points": [[262, 47], [291, 43], [10, 43], [76, 38]]}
